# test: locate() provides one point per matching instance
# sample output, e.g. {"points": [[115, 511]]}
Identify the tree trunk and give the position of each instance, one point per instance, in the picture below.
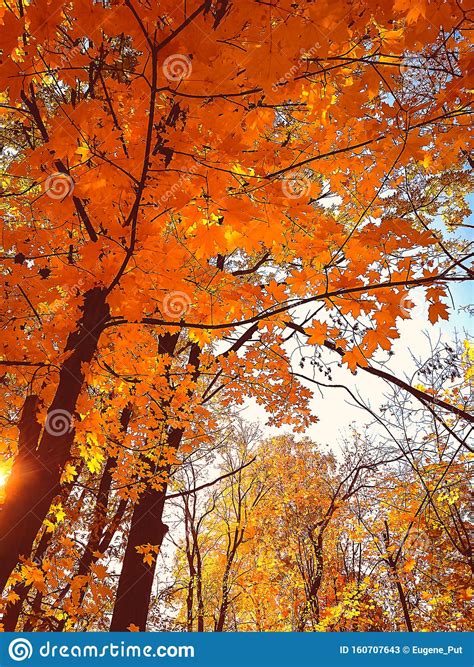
{"points": [[311, 607], [190, 554], [147, 527], [35, 479], [225, 590], [136, 578], [401, 594], [200, 599], [101, 530], [99, 521], [13, 611], [220, 622], [392, 564], [190, 600]]}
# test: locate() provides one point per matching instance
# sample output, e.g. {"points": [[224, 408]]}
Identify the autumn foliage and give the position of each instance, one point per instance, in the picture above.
{"points": [[196, 198], [367, 542]]}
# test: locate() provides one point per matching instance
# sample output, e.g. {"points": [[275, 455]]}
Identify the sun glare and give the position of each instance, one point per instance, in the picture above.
{"points": [[3, 478]]}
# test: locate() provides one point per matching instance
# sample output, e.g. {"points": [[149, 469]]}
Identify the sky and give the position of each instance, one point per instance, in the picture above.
{"points": [[336, 410]]}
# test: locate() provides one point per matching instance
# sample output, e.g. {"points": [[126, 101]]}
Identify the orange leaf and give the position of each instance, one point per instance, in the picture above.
{"points": [[438, 311]]}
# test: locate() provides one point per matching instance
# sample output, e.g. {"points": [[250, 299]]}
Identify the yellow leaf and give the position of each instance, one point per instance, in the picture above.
{"points": [[148, 559], [69, 473], [12, 597]]}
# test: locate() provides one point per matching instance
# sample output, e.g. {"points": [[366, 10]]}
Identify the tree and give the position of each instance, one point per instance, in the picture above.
{"points": [[376, 537], [175, 213], [216, 527], [280, 555]]}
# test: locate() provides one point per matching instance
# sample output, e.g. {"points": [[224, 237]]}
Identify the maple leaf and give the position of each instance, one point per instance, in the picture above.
{"points": [[354, 358], [438, 310], [99, 570], [12, 597], [318, 333], [69, 473], [33, 575]]}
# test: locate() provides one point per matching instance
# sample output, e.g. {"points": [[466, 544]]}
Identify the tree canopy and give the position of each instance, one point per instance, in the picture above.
{"points": [[193, 196]]}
